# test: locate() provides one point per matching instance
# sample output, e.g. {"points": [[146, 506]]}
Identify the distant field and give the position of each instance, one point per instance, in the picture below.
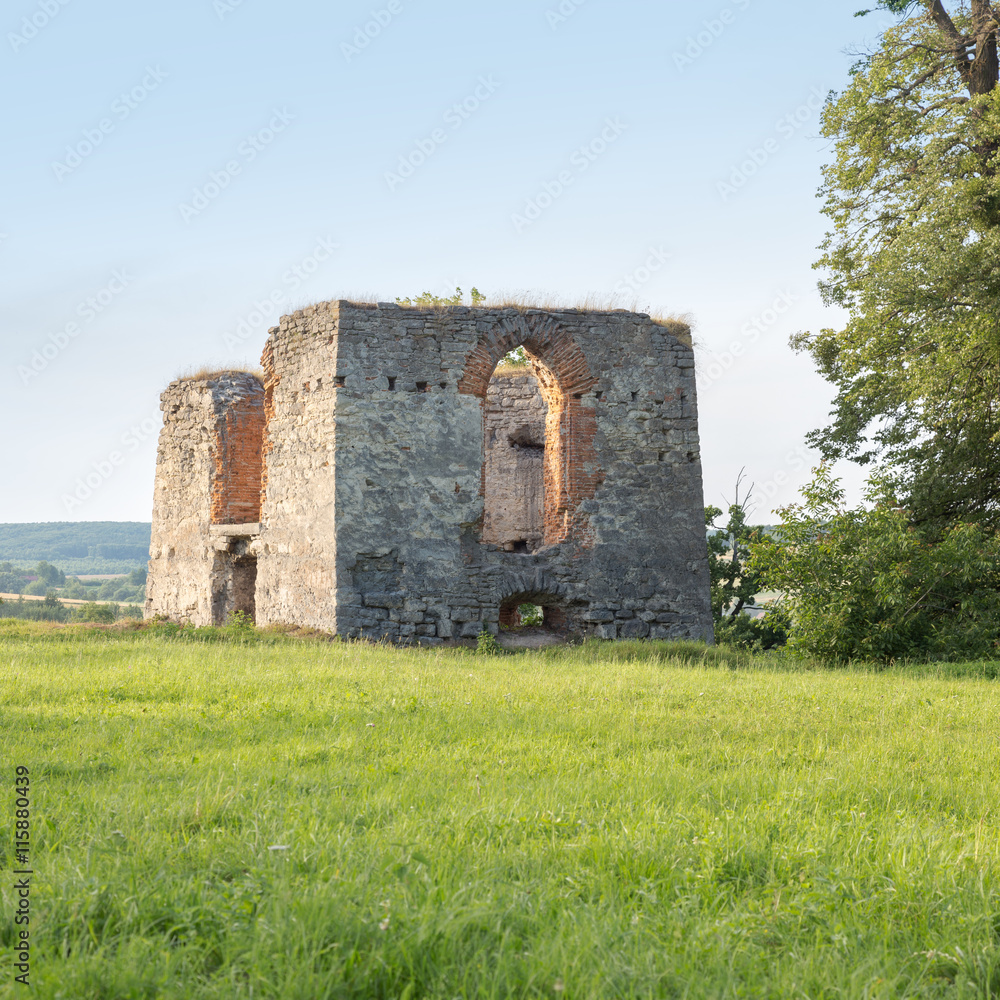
{"points": [[77, 547], [302, 819]]}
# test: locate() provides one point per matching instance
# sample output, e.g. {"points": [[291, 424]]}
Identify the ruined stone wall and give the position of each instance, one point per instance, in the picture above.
{"points": [[375, 482], [297, 568], [207, 472], [514, 490]]}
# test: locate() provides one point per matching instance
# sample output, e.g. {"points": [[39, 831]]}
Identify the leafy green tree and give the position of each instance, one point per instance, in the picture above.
{"points": [[12, 581], [913, 255], [866, 584], [733, 584], [49, 574], [732, 587]]}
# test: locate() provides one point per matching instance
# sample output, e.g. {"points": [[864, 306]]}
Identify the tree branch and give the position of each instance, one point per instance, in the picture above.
{"points": [[944, 22]]}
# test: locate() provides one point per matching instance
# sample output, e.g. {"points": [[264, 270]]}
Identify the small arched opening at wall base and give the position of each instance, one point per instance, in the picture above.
{"points": [[533, 611]]}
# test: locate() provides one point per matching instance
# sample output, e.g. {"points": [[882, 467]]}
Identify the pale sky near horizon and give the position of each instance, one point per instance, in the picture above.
{"points": [[168, 167]]}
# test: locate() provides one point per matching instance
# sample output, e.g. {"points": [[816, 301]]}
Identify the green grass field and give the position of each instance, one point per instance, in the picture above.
{"points": [[300, 819]]}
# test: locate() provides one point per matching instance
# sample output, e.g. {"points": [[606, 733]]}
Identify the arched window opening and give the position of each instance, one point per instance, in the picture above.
{"points": [[564, 455], [514, 479]]}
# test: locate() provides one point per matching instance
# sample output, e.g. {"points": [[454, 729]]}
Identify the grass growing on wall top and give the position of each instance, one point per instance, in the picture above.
{"points": [[225, 816]]}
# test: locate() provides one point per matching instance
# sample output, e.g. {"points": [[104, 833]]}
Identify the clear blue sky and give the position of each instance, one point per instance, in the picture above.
{"points": [[176, 163]]}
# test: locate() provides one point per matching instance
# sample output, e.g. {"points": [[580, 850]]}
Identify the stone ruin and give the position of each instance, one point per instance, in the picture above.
{"points": [[385, 481]]}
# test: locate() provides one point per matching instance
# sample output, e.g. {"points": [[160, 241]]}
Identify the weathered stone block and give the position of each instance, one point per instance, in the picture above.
{"points": [[389, 599], [635, 629]]}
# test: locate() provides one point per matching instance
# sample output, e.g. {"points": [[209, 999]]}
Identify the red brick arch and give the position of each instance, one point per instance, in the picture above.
{"points": [[564, 377]]}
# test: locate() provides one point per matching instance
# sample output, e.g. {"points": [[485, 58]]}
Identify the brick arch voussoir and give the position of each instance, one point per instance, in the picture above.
{"points": [[548, 345]]}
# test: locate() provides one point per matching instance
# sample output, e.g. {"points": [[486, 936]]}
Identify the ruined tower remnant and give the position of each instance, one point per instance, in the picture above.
{"points": [[385, 481]]}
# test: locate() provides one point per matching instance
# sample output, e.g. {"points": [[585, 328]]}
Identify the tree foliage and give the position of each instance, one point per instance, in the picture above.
{"points": [[913, 195], [733, 584], [866, 584]]}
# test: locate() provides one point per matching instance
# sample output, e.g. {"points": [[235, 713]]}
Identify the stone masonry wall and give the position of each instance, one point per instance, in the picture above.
{"points": [[206, 463], [514, 492], [375, 481]]}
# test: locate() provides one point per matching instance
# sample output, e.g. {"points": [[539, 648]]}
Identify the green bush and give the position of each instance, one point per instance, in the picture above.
{"points": [[867, 584], [239, 625], [49, 610], [759, 634], [92, 612]]}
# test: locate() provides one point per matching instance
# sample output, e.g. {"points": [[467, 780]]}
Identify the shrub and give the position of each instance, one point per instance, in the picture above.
{"points": [[765, 632], [239, 625], [867, 584], [49, 610], [92, 612], [487, 644]]}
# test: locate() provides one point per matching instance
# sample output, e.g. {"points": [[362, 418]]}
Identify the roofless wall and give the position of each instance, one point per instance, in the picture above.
{"points": [[376, 421]]}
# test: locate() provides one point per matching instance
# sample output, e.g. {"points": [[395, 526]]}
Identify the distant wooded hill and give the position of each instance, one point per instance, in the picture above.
{"points": [[77, 546]]}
